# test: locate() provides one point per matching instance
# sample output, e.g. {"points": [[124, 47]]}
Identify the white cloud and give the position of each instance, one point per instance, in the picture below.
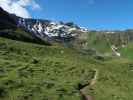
{"points": [[18, 7], [35, 6]]}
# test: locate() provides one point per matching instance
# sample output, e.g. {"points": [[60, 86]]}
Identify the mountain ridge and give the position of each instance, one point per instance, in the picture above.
{"points": [[46, 30]]}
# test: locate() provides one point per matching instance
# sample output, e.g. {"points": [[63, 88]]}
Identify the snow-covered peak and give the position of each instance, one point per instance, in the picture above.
{"points": [[42, 28], [84, 29]]}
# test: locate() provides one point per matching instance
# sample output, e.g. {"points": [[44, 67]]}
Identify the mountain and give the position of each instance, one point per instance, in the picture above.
{"points": [[6, 20], [9, 28], [52, 31], [36, 30], [67, 34]]}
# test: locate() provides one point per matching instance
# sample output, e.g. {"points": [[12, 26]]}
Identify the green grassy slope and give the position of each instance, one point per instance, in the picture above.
{"points": [[35, 72], [102, 43], [99, 42], [127, 51], [20, 34]]}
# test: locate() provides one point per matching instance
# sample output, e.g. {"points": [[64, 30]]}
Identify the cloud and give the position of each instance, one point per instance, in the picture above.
{"points": [[35, 6], [19, 7]]}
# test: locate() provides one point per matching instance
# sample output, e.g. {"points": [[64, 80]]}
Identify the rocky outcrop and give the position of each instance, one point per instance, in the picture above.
{"points": [[6, 20]]}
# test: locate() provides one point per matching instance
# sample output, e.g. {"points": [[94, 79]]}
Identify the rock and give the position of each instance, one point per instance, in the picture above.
{"points": [[35, 60], [100, 57]]}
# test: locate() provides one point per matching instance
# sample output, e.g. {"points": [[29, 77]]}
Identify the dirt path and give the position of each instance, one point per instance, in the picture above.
{"points": [[83, 93]]}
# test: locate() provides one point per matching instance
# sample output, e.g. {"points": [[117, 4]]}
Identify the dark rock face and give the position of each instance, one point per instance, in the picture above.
{"points": [[6, 20]]}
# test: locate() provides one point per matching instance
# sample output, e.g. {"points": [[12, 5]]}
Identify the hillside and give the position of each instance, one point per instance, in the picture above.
{"points": [[111, 43], [34, 72], [6, 21]]}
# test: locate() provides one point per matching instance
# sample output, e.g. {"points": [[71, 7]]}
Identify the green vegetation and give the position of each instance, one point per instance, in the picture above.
{"points": [[99, 42], [22, 35], [127, 51], [35, 72]]}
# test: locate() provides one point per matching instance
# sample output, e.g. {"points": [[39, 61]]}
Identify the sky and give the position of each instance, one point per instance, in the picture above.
{"points": [[92, 14]]}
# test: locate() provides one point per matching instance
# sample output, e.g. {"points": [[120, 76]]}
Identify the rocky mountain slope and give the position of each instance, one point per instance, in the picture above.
{"points": [[43, 30], [6, 20]]}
